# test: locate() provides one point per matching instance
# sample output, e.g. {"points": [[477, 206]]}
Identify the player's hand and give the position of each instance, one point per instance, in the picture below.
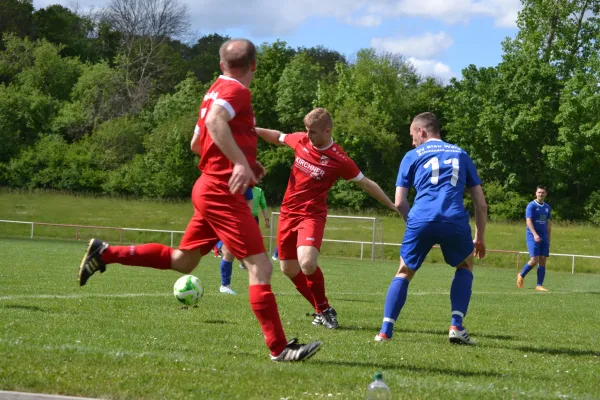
{"points": [[241, 177], [479, 249], [267, 223], [537, 238]]}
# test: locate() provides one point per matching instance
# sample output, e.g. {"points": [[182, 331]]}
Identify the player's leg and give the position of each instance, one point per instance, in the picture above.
{"points": [[151, 255], [248, 246], [309, 240], [226, 267], [416, 244], [276, 254], [287, 237], [534, 250], [541, 269], [456, 243]]}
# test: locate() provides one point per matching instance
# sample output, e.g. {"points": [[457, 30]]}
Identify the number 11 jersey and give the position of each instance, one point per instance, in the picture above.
{"points": [[439, 172]]}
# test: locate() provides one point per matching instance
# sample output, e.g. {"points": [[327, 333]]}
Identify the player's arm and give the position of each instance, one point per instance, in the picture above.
{"points": [[549, 229], [217, 123], [531, 227], [375, 191], [401, 203], [481, 209], [262, 203], [195, 143], [271, 135]]}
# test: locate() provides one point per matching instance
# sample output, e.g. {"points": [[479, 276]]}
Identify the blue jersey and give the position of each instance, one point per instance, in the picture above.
{"points": [[539, 214], [439, 172]]}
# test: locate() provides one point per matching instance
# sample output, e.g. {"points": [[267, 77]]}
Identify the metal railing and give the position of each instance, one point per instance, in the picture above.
{"points": [[271, 236]]}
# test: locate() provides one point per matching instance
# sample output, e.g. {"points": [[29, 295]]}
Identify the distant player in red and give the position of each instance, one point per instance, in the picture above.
{"points": [[225, 139], [318, 164]]}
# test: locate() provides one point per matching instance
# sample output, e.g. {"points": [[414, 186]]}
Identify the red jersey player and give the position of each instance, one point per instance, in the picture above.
{"points": [[225, 139], [318, 164]]}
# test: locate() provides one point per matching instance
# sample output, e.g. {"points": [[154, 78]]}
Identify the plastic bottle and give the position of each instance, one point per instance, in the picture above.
{"points": [[378, 390]]}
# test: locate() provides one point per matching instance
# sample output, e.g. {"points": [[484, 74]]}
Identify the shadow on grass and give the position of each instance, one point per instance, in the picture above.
{"points": [[445, 333], [411, 368], [558, 351], [217, 322], [357, 300], [22, 307]]}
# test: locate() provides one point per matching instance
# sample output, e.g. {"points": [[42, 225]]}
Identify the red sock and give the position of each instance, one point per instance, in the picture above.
{"points": [[262, 301], [316, 283], [151, 255], [301, 284]]}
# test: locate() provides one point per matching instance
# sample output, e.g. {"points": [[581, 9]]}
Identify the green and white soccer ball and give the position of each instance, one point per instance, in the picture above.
{"points": [[188, 290]]}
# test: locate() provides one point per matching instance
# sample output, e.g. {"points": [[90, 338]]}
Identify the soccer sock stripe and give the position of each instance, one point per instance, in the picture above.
{"points": [[394, 301], [460, 295], [541, 274]]}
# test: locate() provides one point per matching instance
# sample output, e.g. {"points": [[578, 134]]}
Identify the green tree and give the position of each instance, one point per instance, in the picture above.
{"points": [[296, 91]]}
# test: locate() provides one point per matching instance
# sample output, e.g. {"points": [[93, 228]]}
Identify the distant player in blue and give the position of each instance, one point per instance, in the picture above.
{"points": [[227, 257], [440, 173], [537, 216]]}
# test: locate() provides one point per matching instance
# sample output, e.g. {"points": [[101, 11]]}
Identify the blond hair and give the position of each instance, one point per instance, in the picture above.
{"points": [[319, 117]]}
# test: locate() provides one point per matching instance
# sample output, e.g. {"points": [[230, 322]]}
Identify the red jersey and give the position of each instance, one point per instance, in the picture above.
{"points": [[313, 174], [235, 98]]}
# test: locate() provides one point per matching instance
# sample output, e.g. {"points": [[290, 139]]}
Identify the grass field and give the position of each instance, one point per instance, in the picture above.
{"points": [[68, 209], [123, 336]]}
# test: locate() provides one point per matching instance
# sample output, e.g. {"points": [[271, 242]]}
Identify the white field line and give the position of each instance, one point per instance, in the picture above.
{"points": [[129, 295]]}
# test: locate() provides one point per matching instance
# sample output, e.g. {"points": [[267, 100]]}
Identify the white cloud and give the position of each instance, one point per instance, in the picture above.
{"points": [[424, 46], [432, 68], [276, 17], [366, 21]]}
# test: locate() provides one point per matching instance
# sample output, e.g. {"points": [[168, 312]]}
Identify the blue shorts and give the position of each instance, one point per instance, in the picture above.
{"points": [[455, 241], [538, 249]]}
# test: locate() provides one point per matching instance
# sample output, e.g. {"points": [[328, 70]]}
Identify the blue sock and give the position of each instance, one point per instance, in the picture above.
{"points": [[460, 295], [226, 269], [394, 301], [276, 254], [541, 272], [525, 270]]}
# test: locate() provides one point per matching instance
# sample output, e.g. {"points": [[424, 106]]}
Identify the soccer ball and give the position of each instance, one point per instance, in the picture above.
{"points": [[188, 290]]}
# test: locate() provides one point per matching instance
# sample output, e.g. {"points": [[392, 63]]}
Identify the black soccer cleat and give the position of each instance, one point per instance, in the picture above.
{"points": [[297, 352], [92, 262], [329, 318], [318, 319]]}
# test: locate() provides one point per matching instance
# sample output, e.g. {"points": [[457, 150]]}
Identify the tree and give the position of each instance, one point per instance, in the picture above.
{"points": [[146, 27], [15, 18], [59, 25], [271, 61], [296, 91]]}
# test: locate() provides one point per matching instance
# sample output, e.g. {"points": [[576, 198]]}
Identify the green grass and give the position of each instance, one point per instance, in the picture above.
{"points": [[84, 210], [124, 336]]}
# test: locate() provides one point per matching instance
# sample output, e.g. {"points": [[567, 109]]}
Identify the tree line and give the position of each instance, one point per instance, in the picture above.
{"points": [[106, 102]]}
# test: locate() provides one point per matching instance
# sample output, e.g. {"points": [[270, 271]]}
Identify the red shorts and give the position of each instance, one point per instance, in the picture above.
{"points": [[220, 215], [295, 231]]}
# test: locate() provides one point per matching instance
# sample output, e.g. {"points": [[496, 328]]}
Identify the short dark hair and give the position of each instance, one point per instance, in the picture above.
{"points": [[429, 122], [237, 54], [543, 187]]}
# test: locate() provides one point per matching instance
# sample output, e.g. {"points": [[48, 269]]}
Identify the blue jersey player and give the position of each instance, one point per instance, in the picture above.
{"points": [[440, 172], [226, 265], [537, 216]]}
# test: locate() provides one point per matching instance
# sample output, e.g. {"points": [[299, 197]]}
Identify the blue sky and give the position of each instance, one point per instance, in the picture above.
{"points": [[440, 37]]}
